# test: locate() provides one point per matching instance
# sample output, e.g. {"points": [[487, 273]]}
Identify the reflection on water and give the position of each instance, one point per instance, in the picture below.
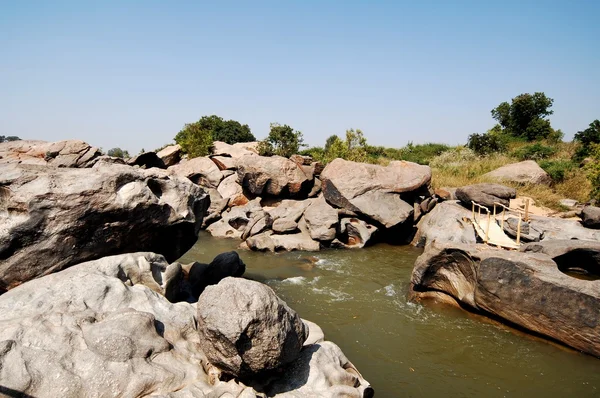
{"points": [[404, 349]]}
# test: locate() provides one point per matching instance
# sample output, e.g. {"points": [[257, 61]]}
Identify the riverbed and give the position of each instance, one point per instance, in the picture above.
{"points": [[405, 349]]}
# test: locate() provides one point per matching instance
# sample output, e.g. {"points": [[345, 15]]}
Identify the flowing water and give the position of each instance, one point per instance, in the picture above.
{"points": [[404, 349]]}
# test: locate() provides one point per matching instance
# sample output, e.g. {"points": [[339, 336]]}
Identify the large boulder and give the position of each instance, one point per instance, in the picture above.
{"points": [[275, 176], [231, 190], [527, 289], [590, 217], [447, 222], [234, 221], [51, 218], [268, 241], [201, 171], [147, 160], [224, 265], [217, 205], [372, 190], [551, 228], [69, 153], [170, 155], [526, 172], [286, 215], [245, 329], [354, 233], [321, 220], [486, 195], [236, 150]]}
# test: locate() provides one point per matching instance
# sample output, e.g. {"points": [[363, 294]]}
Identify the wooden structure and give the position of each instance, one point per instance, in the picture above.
{"points": [[489, 231]]}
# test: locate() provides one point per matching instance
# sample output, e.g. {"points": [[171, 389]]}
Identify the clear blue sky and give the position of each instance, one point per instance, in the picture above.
{"points": [[132, 73]]}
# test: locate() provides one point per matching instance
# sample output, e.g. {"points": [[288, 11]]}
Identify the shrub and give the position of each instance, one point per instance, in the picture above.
{"points": [[536, 151], [9, 138], [422, 153], [557, 169], [485, 144], [586, 139], [282, 141], [195, 140], [593, 170], [118, 153]]}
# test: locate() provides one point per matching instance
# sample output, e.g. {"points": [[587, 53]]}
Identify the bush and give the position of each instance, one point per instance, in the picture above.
{"points": [[118, 153], [586, 139], [195, 140], [282, 141], [557, 169], [536, 151], [421, 153], [485, 144], [9, 138], [593, 170]]}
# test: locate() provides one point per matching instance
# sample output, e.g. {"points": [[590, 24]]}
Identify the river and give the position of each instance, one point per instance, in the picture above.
{"points": [[404, 349]]}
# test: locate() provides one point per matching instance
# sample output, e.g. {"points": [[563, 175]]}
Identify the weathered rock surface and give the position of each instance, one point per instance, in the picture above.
{"points": [[245, 329], [321, 220], [354, 233], [51, 218], [225, 264], [170, 155], [230, 189], [233, 222], [485, 194], [146, 160], [224, 162], [372, 190], [275, 176], [447, 222], [217, 205], [590, 216], [523, 288], [558, 228], [300, 241], [526, 172], [236, 150], [69, 153], [201, 171], [528, 232], [576, 256]]}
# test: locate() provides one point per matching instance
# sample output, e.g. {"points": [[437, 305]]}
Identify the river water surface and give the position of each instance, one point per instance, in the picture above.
{"points": [[404, 349]]}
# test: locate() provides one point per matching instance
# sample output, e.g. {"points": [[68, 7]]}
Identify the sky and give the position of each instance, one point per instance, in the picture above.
{"points": [[130, 74]]}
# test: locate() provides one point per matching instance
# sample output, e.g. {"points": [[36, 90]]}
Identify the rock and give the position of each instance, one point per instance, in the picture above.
{"points": [[230, 189], [447, 222], [224, 163], [217, 205], [261, 242], [289, 209], [562, 229], [201, 171], [523, 288], [301, 160], [69, 153], [147, 160], [245, 329], [485, 194], [321, 220], [105, 160], [445, 193], [528, 233], [316, 189], [275, 176], [233, 222], [284, 225], [317, 168], [374, 191], [52, 218], [170, 155], [300, 241], [569, 254], [355, 233], [259, 222], [222, 266], [590, 217], [526, 172], [236, 150], [568, 203]]}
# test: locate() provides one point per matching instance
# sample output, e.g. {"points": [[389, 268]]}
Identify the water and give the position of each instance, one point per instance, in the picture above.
{"points": [[358, 297]]}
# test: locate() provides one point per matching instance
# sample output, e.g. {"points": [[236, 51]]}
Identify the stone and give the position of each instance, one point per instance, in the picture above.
{"points": [[69, 153], [526, 172], [568, 203], [52, 218], [316, 189], [321, 220], [105, 160], [527, 289], [217, 205], [233, 222], [274, 176], [447, 222], [317, 168], [261, 242], [528, 233], [300, 241], [445, 193], [236, 150], [259, 222], [284, 225], [301, 160], [170, 155], [230, 189], [147, 160], [374, 191], [485, 195], [245, 329], [225, 264], [355, 233], [201, 171], [552, 228], [224, 162], [590, 217]]}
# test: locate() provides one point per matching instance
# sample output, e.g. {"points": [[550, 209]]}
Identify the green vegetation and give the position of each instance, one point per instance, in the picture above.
{"points": [[118, 153], [9, 138], [593, 170], [485, 144], [526, 117], [282, 141], [587, 138], [535, 151]]}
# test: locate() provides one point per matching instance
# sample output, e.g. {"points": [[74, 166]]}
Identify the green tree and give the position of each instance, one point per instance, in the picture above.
{"points": [[526, 116], [282, 141], [229, 131], [593, 170], [195, 140], [9, 138], [485, 144], [586, 139], [118, 153]]}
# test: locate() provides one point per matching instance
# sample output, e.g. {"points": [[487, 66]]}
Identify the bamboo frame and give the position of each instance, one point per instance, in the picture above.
{"points": [[503, 212]]}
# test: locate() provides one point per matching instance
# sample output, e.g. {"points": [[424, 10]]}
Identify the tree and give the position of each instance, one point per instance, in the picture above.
{"points": [[9, 138], [526, 116], [282, 141], [587, 138], [593, 170], [229, 131], [195, 140], [485, 144], [118, 153]]}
